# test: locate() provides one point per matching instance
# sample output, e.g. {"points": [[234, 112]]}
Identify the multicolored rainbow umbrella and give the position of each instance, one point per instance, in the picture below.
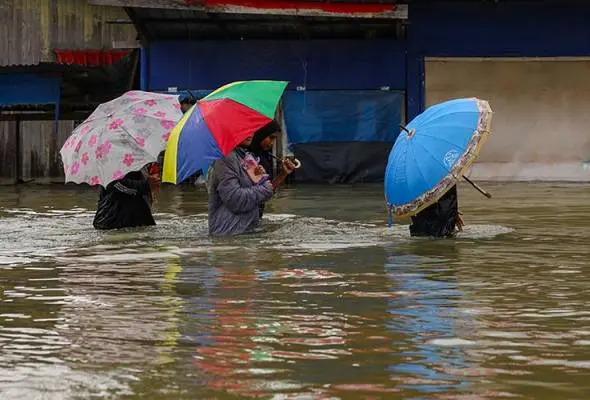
{"points": [[214, 126]]}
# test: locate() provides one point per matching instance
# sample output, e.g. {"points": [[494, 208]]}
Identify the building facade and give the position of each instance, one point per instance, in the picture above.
{"points": [[53, 54], [529, 59], [356, 71]]}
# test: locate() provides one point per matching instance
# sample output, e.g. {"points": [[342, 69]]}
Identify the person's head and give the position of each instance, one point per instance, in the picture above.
{"points": [[186, 100], [246, 142], [265, 137]]}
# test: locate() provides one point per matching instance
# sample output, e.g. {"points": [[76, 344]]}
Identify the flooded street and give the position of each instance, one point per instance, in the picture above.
{"points": [[325, 303]]}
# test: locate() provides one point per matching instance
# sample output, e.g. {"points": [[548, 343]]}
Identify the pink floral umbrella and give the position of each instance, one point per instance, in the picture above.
{"points": [[120, 136]]}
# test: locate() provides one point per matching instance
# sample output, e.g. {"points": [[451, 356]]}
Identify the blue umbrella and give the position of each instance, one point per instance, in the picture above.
{"points": [[433, 152]]}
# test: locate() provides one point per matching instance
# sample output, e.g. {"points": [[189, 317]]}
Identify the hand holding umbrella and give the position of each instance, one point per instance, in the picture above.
{"points": [[288, 168]]}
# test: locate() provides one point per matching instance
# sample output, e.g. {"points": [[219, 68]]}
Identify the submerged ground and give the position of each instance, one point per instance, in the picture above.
{"points": [[325, 302]]}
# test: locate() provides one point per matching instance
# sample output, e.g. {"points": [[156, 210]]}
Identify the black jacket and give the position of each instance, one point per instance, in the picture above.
{"points": [[439, 219], [125, 203]]}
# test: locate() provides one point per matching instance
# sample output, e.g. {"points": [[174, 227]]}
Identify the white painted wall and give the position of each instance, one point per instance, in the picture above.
{"points": [[541, 125]]}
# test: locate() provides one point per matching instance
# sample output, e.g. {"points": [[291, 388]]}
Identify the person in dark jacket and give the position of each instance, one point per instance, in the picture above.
{"points": [[262, 146], [263, 143], [441, 219], [186, 100], [234, 199], [127, 203]]}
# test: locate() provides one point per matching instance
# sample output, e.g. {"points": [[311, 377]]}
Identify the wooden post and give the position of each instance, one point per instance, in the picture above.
{"points": [[279, 142], [18, 159], [54, 170]]}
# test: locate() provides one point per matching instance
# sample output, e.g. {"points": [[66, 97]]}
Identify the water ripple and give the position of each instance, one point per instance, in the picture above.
{"points": [[325, 302]]}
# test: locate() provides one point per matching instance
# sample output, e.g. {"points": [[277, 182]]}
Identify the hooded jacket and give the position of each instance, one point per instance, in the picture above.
{"points": [[234, 199]]}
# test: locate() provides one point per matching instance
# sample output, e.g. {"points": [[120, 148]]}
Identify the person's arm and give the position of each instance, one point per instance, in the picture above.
{"points": [[132, 187], [235, 197], [453, 198], [287, 170]]}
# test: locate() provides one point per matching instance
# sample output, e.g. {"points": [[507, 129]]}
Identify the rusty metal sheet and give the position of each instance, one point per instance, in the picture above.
{"points": [[37, 27]]}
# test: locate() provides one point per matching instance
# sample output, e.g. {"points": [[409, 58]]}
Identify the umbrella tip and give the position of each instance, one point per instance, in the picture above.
{"points": [[409, 132]]}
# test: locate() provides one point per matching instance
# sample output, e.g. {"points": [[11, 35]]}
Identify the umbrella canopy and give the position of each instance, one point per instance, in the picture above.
{"points": [[436, 148], [214, 126], [120, 136]]}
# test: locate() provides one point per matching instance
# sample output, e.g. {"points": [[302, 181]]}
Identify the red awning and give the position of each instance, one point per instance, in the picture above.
{"points": [[90, 58], [302, 8]]}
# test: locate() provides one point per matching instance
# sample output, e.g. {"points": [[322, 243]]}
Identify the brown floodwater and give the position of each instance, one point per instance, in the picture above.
{"points": [[325, 302]]}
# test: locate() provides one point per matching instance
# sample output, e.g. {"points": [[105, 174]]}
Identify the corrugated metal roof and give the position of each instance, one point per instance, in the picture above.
{"points": [[162, 24], [81, 25], [21, 42], [32, 29]]}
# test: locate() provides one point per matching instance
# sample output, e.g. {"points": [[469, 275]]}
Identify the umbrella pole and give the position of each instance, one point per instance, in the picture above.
{"points": [[296, 162], [477, 187]]}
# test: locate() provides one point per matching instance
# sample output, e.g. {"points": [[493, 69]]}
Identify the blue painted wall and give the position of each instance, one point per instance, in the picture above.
{"points": [[314, 64], [525, 29]]}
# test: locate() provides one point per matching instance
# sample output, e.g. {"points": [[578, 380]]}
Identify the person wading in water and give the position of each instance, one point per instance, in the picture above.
{"points": [[234, 196], [127, 202], [262, 146], [441, 219]]}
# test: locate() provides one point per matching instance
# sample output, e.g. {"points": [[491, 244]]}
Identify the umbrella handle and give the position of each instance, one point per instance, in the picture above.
{"points": [[296, 162], [477, 187]]}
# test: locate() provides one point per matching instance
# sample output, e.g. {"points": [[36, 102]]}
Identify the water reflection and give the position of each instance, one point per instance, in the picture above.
{"points": [[325, 302], [272, 323], [430, 319]]}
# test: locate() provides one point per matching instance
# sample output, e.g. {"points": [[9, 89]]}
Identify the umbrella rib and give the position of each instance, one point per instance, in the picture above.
{"points": [[433, 157], [442, 140], [454, 125], [135, 144], [396, 161], [437, 114], [407, 182], [417, 164]]}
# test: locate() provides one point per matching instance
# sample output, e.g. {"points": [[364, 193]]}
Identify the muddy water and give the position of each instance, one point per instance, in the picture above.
{"points": [[325, 302]]}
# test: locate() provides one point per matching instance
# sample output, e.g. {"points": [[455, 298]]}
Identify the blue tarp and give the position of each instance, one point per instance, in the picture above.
{"points": [[343, 116]]}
